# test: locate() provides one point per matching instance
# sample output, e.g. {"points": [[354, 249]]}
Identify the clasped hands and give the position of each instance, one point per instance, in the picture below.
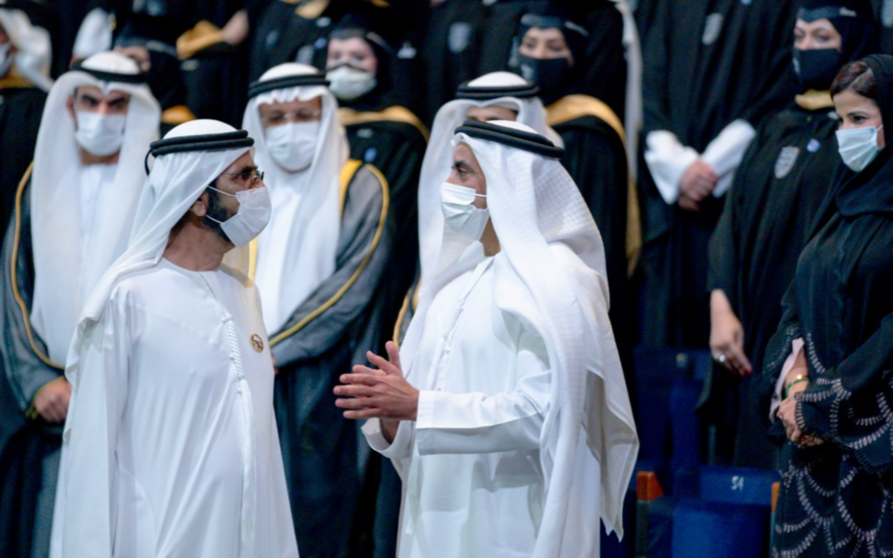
{"points": [[380, 392], [698, 182], [787, 414]]}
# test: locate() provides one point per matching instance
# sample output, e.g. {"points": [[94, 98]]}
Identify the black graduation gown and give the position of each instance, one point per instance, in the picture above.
{"points": [[644, 11], [290, 32], [466, 39], [603, 72], [450, 50], [325, 336], [840, 304], [20, 110], [62, 19], [215, 73], [282, 35], [25, 443], [883, 10], [786, 173], [700, 74]]}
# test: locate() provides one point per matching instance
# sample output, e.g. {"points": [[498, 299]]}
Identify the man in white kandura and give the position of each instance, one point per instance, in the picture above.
{"points": [[512, 429], [71, 219], [171, 447]]}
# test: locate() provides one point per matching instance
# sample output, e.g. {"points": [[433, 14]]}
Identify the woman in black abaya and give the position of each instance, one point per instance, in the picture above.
{"points": [[831, 359], [779, 186]]}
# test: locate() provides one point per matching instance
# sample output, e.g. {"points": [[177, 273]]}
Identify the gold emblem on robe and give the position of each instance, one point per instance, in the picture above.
{"points": [[257, 342]]}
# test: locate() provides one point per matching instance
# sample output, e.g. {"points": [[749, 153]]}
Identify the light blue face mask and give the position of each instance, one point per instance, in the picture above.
{"points": [[858, 146]]}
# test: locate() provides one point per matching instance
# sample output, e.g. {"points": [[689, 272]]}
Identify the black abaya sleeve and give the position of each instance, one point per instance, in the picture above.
{"points": [[852, 405]]}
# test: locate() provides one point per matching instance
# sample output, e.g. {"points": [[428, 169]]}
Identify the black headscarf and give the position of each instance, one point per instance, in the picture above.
{"points": [[871, 191], [854, 21], [555, 78]]}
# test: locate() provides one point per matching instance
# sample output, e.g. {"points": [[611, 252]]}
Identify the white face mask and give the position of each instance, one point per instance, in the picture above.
{"points": [[858, 146], [349, 83], [6, 58], [293, 145], [250, 219], [98, 134], [459, 213]]}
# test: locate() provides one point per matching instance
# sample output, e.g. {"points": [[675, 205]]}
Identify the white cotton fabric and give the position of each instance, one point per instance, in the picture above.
{"points": [[32, 61], [95, 34], [471, 427], [725, 152], [153, 451], [175, 412], [297, 250], [550, 277], [668, 159], [66, 268], [439, 154]]}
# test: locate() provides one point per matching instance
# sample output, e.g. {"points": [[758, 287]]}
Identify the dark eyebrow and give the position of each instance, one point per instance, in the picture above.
{"points": [[89, 97], [246, 168], [461, 163]]}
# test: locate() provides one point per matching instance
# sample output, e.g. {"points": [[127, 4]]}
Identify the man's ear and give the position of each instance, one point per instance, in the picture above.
{"points": [[200, 207]]}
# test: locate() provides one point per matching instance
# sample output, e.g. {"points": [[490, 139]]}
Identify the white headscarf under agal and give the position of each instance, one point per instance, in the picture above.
{"points": [[311, 232], [62, 274], [32, 61], [501, 89], [553, 279]]}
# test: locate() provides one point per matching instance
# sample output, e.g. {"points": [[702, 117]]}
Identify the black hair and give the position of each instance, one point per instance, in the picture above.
{"points": [[858, 77]]}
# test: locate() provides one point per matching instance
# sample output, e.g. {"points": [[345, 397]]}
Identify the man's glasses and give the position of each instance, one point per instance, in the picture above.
{"points": [[252, 177], [277, 118]]}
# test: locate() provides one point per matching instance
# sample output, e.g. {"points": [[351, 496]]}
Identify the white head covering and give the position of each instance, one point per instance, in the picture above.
{"points": [[61, 272], [310, 229], [551, 274], [498, 89], [32, 61]]}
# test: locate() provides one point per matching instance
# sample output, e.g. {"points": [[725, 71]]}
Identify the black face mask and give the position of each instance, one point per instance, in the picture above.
{"points": [[551, 76], [816, 69]]}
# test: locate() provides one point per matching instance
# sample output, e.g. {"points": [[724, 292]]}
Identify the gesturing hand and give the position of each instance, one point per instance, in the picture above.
{"points": [[378, 393], [727, 336]]}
